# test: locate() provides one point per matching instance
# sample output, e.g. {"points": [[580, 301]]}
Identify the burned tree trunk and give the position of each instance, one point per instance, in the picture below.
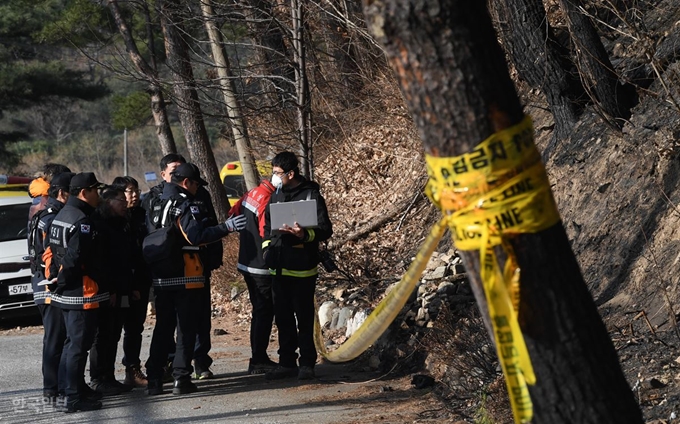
{"points": [[612, 98], [540, 60], [456, 84]]}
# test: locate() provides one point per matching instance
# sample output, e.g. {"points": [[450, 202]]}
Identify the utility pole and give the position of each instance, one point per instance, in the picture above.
{"points": [[125, 152]]}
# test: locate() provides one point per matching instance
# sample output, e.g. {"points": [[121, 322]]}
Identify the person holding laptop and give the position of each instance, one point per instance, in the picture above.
{"points": [[292, 253]]}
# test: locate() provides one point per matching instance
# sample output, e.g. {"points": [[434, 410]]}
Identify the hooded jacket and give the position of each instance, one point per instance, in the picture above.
{"points": [[287, 255]]}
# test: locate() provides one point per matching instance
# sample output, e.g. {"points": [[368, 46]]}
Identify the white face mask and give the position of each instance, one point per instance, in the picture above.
{"points": [[277, 181]]}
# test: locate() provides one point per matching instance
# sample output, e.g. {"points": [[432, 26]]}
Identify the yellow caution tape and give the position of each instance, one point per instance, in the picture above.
{"points": [[388, 309], [497, 191]]}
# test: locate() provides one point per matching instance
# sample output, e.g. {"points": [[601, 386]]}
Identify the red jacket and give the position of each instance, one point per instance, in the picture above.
{"points": [[253, 205]]}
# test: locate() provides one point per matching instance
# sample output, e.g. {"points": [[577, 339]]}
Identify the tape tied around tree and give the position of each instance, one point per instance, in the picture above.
{"points": [[498, 191]]}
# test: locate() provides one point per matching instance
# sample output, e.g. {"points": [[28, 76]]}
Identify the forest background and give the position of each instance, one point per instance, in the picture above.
{"points": [[599, 79]]}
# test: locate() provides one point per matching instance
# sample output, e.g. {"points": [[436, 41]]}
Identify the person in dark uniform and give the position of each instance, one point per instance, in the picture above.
{"points": [[256, 274], [80, 286], [133, 322], [118, 246], [213, 254], [292, 255], [176, 254], [53, 320]]}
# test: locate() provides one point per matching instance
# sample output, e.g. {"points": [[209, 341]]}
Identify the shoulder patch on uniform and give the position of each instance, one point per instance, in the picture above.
{"points": [[85, 228]]}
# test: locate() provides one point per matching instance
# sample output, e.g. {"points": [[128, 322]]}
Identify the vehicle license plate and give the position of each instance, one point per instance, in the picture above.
{"points": [[20, 289]]}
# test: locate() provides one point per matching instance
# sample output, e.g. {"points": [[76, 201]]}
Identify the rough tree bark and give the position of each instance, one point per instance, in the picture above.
{"points": [[539, 59], [149, 73], [186, 98], [456, 84], [234, 110]]}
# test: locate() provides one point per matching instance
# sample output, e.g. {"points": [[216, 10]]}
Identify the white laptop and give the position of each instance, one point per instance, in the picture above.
{"points": [[302, 211]]}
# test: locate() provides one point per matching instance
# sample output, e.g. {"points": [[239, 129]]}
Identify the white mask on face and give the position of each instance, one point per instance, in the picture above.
{"points": [[277, 181]]}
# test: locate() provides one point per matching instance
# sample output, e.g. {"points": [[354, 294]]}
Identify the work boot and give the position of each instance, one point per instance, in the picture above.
{"points": [[261, 367], [281, 372], [183, 387], [86, 392], [134, 377], [50, 396], [124, 388], [82, 405], [106, 388], [306, 373], [154, 387]]}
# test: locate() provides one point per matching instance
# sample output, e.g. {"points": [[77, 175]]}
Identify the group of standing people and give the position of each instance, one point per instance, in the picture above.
{"points": [[96, 251]]}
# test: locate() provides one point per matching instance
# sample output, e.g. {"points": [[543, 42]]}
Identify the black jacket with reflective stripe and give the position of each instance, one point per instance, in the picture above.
{"points": [[287, 254], [81, 282], [191, 218]]}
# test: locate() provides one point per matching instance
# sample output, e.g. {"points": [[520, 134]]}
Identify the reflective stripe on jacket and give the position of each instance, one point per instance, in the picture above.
{"points": [[253, 205], [73, 241]]}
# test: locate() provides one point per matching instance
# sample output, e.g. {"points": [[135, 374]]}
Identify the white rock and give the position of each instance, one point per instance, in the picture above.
{"points": [[355, 322], [343, 316], [326, 312], [334, 319]]}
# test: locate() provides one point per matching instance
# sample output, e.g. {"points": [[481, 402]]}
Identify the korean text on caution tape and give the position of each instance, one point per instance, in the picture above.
{"points": [[497, 191]]}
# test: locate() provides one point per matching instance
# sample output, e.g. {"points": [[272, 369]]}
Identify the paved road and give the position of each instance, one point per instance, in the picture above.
{"points": [[233, 396]]}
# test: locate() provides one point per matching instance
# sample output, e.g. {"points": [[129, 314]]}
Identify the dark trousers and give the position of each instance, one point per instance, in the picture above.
{"points": [[53, 362], [81, 326], [294, 299], [202, 359], [105, 345], [133, 327], [261, 297], [174, 308]]}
